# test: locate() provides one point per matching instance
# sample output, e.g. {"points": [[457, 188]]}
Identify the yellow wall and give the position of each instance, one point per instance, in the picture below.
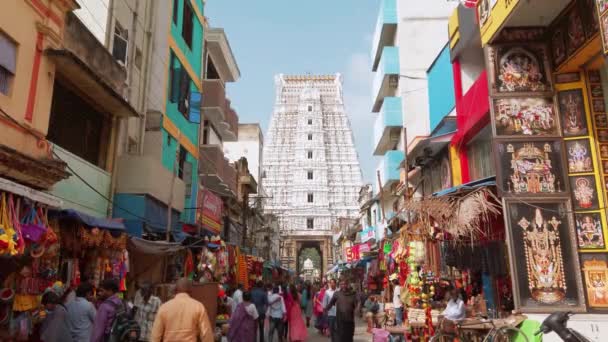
{"points": [[22, 23]]}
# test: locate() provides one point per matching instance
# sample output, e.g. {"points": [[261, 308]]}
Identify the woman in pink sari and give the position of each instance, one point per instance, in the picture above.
{"points": [[320, 318], [297, 326]]}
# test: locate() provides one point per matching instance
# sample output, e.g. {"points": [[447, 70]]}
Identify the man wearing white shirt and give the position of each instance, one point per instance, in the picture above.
{"points": [[238, 295], [455, 309], [397, 304], [331, 312], [277, 314]]}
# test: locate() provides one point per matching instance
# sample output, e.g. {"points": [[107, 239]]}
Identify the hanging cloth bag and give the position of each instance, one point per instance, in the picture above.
{"points": [[20, 243], [32, 227], [7, 232]]}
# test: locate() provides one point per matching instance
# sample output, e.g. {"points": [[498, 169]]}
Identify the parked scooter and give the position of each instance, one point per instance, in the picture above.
{"points": [[557, 322]]}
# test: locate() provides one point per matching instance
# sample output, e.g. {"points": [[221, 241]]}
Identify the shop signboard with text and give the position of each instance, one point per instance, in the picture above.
{"points": [[209, 211], [492, 15]]}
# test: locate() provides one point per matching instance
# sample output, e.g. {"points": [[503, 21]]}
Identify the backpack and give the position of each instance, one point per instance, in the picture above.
{"points": [[124, 327]]}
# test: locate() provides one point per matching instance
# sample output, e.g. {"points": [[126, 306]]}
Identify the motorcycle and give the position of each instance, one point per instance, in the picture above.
{"points": [[557, 322]]}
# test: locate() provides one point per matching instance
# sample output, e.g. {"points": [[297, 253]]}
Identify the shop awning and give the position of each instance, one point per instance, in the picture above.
{"points": [[155, 247], [489, 181], [27, 192], [103, 223]]}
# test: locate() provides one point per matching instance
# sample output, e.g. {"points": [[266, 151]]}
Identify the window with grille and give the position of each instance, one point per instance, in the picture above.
{"points": [[310, 175], [8, 54], [310, 108], [310, 223], [309, 136], [188, 24], [175, 10], [311, 198], [479, 154], [309, 154], [310, 121], [120, 44]]}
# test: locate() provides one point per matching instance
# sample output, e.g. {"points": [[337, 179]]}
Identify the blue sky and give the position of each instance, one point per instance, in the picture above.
{"points": [[269, 37]]}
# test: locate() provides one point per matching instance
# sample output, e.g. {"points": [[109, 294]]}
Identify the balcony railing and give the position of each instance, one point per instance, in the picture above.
{"points": [[216, 108], [76, 194], [386, 28], [387, 128], [216, 171], [386, 79]]}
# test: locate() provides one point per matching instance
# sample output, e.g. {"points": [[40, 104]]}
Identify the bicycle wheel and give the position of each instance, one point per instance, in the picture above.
{"points": [[507, 334]]}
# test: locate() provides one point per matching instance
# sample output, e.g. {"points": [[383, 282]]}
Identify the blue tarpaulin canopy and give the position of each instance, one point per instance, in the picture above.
{"points": [[103, 223], [489, 181]]}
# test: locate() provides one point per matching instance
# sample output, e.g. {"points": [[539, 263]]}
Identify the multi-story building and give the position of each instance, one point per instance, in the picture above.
{"points": [[311, 172], [58, 136], [250, 144], [161, 45], [406, 40]]}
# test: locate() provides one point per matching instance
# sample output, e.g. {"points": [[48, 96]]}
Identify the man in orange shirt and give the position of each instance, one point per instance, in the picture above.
{"points": [[182, 318]]}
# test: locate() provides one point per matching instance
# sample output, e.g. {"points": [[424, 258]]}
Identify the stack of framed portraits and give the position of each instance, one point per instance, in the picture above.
{"points": [[545, 175]]}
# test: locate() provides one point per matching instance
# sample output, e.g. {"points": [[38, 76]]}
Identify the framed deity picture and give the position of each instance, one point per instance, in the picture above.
{"points": [[604, 151], [590, 18], [584, 193], [518, 69], [601, 121], [572, 112], [602, 6], [602, 135], [569, 77], [525, 116], [558, 45], [530, 168], [543, 255], [598, 105], [595, 275], [575, 31], [605, 166], [606, 183], [589, 231], [578, 154], [604, 30], [594, 75], [596, 90]]}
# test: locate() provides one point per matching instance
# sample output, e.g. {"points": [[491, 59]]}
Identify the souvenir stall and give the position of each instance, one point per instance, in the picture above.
{"points": [[91, 249], [452, 240], [30, 257]]}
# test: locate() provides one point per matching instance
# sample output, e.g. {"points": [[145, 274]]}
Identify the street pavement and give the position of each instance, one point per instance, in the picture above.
{"points": [[361, 334]]}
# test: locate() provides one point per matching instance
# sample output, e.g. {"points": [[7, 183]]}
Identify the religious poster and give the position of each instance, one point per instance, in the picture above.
{"points": [[532, 116], [606, 183], [518, 69], [595, 271], [602, 135], [584, 192], [601, 121], [589, 231], [602, 6], [590, 18], [594, 75], [483, 10], [604, 30], [578, 153], [572, 110], [530, 168], [598, 105], [575, 37], [596, 90], [605, 166], [569, 77], [544, 256], [558, 45], [604, 151]]}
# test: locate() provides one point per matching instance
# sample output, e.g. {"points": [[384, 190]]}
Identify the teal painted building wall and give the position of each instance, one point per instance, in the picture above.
{"points": [[190, 130], [441, 88]]}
